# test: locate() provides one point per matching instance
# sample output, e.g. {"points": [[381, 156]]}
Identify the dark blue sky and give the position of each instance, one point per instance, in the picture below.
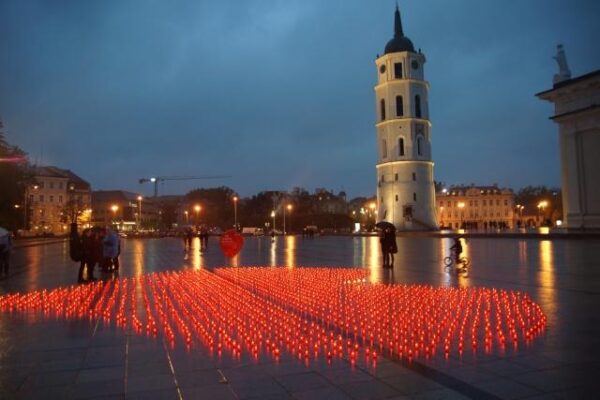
{"points": [[280, 93]]}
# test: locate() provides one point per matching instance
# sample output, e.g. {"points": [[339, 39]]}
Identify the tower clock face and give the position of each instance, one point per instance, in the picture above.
{"points": [[415, 64], [382, 69]]}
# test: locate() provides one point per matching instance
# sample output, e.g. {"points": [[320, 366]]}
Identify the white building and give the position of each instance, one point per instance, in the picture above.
{"points": [[577, 112], [405, 188]]}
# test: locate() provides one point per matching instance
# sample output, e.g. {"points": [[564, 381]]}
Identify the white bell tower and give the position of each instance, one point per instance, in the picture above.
{"points": [[405, 188]]}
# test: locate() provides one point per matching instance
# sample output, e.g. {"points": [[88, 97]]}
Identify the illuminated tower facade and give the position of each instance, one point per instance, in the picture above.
{"points": [[405, 188]]}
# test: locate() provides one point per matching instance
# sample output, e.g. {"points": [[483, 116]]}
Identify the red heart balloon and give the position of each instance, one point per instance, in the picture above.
{"points": [[231, 243]]}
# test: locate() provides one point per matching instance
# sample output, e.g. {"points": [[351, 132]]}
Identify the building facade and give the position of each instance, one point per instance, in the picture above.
{"points": [[405, 187], [577, 112], [123, 210], [55, 198], [476, 207]]}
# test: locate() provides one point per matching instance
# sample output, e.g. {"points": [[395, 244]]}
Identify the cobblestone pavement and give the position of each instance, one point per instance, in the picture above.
{"points": [[44, 358]]}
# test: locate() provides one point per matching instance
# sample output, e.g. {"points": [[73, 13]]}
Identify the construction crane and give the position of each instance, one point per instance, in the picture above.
{"points": [[157, 179]]}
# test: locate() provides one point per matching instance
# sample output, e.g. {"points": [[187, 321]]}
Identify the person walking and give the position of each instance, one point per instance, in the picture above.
{"points": [[5, 249]]}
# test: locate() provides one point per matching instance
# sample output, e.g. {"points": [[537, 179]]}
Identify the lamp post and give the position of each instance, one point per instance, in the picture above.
{"points": [[235, 201], [372, 207], [140, 217], [114, 208], [273, 216], [187, 217], [442, 216], [541, 210], [286, 209], [461, 206], [197, 209]]}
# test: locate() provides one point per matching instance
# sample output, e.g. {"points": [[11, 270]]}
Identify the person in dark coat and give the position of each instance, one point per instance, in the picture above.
{"points": [[389, 247], [87, 254]]}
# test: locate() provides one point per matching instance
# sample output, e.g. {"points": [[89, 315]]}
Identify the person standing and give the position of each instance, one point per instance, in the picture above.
{"points": [[87, 242], [5, 249], [384, 243], [111, 250], [391, 245]]}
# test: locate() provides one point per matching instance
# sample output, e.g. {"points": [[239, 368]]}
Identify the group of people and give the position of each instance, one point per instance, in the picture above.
{"points": [[188, 237], [95, 246], [5, 248]]}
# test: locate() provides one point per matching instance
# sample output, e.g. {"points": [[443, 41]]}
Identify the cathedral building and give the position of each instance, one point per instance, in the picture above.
{"points": [[405, 187]]}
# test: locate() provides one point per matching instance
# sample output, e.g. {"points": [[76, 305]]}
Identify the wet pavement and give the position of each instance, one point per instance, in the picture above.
{"points": [[56, 358]]}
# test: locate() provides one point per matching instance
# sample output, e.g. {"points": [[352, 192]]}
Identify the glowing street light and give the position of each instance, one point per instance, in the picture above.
{"points": [[197, 209], [187, 216], [235, 201], [541, 210], [139, 199], [114, 208], [273, 216], [286, 208], [461, 206]]}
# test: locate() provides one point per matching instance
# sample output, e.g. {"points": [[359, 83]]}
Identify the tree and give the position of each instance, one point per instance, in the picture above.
{"points": [[216, 206], [13, 180]]}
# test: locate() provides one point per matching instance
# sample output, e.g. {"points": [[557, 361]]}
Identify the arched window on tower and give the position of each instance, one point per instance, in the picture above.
{"points": [[419, 146], [399, 106], [382, 109], [401, 147], [418, 106]]}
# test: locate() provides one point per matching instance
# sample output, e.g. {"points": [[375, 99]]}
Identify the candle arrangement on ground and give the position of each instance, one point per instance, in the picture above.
{"points": [[307, 313]]}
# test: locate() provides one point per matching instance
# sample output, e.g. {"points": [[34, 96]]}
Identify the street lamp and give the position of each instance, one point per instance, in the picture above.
{"points": [[287, 208], [442, 216], [139, 199], [273, 216], [461, 206], [187, 217], [197, 208], [235, 200], [541, 208], [114, 208]]}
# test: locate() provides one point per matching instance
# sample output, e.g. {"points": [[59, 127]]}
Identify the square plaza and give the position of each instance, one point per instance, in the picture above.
{"points": [[58, 357]]}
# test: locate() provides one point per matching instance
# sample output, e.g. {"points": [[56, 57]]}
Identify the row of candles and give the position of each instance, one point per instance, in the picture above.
{"points": [[306, 312]]}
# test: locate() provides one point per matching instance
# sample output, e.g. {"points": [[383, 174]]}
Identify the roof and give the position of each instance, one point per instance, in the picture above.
{"points": [[569, 82], [102, 196], [55, 172], [399, 42], [575, 112]]}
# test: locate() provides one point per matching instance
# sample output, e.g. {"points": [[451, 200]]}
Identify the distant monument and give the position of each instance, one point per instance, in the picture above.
{"points": [[577, 112], [405, 189]]}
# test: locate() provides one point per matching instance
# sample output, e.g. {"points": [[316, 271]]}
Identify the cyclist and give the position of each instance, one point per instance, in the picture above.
{"points": [[457, 249]]}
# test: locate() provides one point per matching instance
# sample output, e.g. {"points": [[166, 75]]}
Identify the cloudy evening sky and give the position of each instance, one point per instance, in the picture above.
{"points": [[280, 93]]}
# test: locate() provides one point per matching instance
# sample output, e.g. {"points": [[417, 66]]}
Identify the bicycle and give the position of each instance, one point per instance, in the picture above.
{"points": [[461, 266]]}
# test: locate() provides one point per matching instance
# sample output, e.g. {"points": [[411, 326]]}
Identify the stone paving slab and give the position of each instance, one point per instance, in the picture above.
{"points": [[87, 359]]}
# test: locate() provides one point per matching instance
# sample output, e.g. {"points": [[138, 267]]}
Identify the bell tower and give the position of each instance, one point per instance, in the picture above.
{"points": [[405, 188]]}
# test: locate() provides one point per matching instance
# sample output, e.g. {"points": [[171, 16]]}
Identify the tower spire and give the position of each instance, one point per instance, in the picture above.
{"points": [[397, 23]]}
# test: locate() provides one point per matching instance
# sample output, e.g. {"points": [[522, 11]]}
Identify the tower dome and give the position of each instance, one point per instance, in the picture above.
{"points": [[399, 42]]}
